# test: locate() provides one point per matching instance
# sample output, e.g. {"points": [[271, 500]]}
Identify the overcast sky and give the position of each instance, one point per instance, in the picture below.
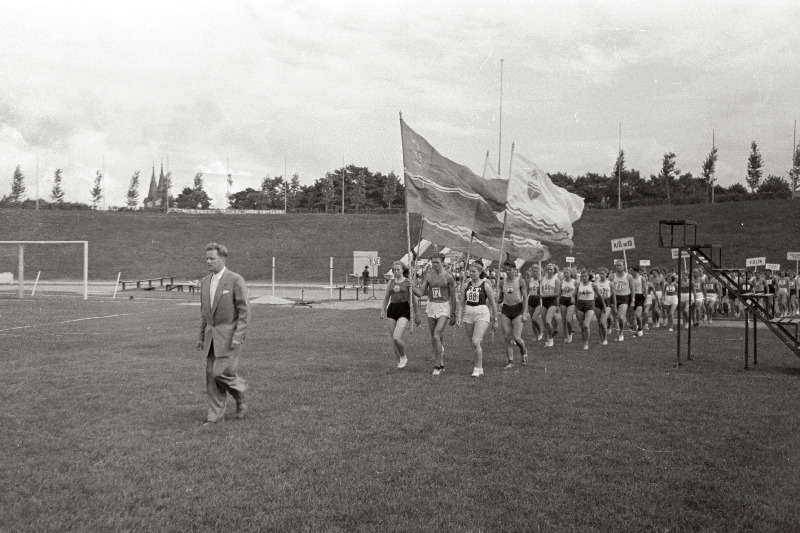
{"points": [[201, 84]]}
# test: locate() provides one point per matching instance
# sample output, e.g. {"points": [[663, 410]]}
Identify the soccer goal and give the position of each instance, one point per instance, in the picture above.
{"points": [[50, 267]]}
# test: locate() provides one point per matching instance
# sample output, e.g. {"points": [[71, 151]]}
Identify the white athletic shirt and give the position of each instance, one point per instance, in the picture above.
{"points": [[621, 285]]}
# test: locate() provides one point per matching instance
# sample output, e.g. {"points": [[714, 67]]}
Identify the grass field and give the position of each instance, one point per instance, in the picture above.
{"points": [[103, 401], [142, 245]]}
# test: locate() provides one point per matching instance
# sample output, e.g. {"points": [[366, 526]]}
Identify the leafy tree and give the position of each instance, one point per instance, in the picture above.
{"points": [[794, 173], [619, 170], [775, 184], [708, 170], [17, 186], [359, 195], [133, 191], [668, 171], [329, 192], [230, 186], [198, 181], [166, 187], [249, 199], [57, 193], [737, 188], [389, 190], [754, 164], [193, 198], [97, 190], [295, 191]]}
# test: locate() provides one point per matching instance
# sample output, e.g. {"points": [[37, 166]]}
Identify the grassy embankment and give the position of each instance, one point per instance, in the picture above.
{"points": [[147, 245]]}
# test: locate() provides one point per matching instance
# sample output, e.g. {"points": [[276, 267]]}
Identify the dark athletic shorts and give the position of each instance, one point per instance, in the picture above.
{"points": [[585, 305], [566, 301], [638, 300], [399, 310], [534, 302], [513, 311], [549, 301], [623, 299]]}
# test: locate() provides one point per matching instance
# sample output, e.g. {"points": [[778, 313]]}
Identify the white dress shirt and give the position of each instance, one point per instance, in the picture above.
{"points": [[214, 283]]}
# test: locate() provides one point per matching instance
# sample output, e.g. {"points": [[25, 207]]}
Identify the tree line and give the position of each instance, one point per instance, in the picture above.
{"points": [[364, 190]]}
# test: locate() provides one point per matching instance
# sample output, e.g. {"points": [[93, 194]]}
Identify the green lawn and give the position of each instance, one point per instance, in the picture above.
{"points": [[142, 245], [100, 429]]}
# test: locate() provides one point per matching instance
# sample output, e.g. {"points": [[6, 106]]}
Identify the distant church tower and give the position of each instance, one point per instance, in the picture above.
{"points": [[155, 195]]}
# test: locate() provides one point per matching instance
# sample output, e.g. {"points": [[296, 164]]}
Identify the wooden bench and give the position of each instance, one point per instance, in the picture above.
{"points": [[149, 282], [179, 287]]}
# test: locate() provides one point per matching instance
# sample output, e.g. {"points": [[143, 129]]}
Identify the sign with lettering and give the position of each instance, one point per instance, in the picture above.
{"points": [[570, 260], [644, 262], [625, 243], [684, 254], [772, 266], [756, 261], [793, 256]]}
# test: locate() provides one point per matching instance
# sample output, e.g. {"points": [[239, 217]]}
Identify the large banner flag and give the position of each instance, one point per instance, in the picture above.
{"points": [[443, 191], [458, 238], [537, 208]]}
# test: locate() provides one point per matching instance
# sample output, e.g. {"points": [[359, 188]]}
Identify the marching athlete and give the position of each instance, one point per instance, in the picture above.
{"points": [[398, 294], [514, 311], [587, 293], [478, 310], [551, 288], [622, 290], [566, 303], [604, 291], [535, 309], [440, 287]]}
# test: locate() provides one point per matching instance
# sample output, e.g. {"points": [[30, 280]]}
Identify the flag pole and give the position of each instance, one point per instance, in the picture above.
{"points": [[408, 229], [505, 215], [500, 141]]}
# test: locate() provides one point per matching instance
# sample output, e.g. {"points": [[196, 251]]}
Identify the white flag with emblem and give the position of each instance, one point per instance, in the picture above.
{"points": [[537, 208]]}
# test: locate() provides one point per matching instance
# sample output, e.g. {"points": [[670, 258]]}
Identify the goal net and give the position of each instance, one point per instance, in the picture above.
{"points": [[44, 268]]}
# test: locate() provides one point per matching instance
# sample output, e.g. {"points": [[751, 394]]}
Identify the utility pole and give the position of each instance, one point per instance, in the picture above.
{"points": [[285, 187], [105, 192], [619, 170], [344, 170], [713, 179], [37, 181]]}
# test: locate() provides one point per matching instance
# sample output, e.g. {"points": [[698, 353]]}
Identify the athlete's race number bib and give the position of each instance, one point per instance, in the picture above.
{"points": [[436, 292], [473, 295]]}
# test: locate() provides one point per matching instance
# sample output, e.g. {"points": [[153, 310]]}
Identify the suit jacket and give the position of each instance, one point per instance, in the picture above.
{"points": [[223, 317]]}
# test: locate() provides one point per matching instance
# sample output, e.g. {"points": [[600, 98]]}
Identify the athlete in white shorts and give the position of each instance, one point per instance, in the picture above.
{"points": [[440, 288], [478, 310]]}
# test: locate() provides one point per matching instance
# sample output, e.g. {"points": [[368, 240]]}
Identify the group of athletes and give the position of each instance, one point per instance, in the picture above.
{"points": [[620, 299]]}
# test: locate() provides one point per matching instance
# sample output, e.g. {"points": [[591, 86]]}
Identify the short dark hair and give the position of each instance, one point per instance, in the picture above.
{"points": [[509, 263], [221, 249]]}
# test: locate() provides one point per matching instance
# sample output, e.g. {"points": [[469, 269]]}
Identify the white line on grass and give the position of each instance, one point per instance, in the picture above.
{"points": [[64, 322]]}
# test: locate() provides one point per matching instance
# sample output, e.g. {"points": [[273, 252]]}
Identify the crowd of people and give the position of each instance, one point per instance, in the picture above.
{"points": [[619, 301]]}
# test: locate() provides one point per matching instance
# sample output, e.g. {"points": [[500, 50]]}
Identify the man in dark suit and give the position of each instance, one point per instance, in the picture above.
{"points": [[224, 310]]}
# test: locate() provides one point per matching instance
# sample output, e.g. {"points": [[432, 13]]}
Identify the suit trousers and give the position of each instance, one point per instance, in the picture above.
{"points": [[221, 379]]}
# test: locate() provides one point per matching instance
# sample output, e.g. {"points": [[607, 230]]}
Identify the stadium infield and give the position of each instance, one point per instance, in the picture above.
{"points": [[103, 402]]}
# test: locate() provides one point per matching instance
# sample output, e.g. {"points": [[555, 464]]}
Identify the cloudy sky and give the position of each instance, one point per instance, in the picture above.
{"points": [[248, 85]]}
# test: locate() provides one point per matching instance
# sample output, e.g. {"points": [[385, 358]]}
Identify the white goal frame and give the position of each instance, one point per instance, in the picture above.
{"points": [[21, 267]]}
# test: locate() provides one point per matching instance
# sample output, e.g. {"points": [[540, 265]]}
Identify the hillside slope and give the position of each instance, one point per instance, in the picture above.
{"points": [[149, 244]]}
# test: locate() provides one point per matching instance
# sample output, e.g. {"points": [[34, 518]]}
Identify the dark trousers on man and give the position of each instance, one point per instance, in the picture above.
{"points": [[221, 379]]}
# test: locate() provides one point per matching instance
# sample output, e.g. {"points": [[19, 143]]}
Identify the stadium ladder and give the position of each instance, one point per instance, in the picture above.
{"points": [[683, 236]]}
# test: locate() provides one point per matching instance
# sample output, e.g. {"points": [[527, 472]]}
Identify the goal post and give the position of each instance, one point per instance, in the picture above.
{"points": [[21, 262]]}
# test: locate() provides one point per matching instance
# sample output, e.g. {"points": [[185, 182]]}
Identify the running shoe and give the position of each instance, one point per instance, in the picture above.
{"points": [[437, 370], [605, 342], [525, 358], [509, 365], [477, 372], [639, 333], [585, 345], [670, 330], [549, 344], [540, 336], [621, 337], [402, 362]]}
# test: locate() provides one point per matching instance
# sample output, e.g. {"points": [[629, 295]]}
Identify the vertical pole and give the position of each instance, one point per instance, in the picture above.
{"points": [[35, 283], [500, 141], [119, 274], [755, 334], [619, 173], [85, 270], [37, 181], [746, 337], [285, 187], [680, 305], [625, 259], [344, 171], [273, 275], [330, 284], [21, 270], [691, 301]]}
